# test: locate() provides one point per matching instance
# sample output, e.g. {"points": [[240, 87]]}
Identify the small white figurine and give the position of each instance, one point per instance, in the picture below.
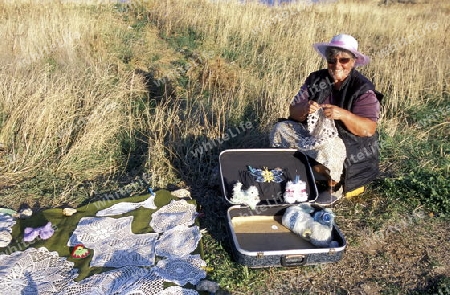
{"points": [[248, 197], [295, 191]]}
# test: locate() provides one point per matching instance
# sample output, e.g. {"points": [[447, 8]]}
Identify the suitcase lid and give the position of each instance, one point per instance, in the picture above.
{"points": [[249, 167]]}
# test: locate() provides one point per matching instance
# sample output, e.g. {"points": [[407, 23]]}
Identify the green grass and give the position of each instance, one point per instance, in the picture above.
{"points": [[421, 161], [439, 285]]}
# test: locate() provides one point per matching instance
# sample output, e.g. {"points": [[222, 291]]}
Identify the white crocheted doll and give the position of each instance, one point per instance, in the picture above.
{"points": [[248, 197], [295, 191]]}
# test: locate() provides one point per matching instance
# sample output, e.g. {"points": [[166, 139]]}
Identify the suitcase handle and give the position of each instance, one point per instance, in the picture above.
{"points": [[293, 260]]}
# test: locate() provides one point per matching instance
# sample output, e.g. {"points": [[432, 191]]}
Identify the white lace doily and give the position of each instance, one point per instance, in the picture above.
{"points": [[35, 271], [113, 242], [178, 241], [181, 270], [324, 144], [125, 207], [177, 290], [6, 224], [93, 230], [121, 281], [5, 238], [175, 213], [130, 250], [321, 130]]}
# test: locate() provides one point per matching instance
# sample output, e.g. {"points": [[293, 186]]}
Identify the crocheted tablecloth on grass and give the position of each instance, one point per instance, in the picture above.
{"points": [[125, 242]]}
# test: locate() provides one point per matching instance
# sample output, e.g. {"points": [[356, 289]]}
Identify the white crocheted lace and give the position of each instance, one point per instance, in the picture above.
{"points": [[178, 241], [38, 271], [175, 213], [93, 230], [6, 224], [324, 144], [321, 129], [125, 207], [121, 281], [113, 242], [136, 250], [319, 140], [177, 290], [182, 270], [35, 271]]}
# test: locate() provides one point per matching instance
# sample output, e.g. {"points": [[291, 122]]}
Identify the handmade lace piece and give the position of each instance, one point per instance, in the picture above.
{"points": [[177, 290], [125, 207], [178, 241], [6, 224], [321, 129], [130, 250], [5, 238], [266, 175], [181, 271], [249, 197], [35, 271], [319, 140], [175, 213], [126, 280], [91, 231], [295, 191], [44, 232], [113, 242], [314, 225]]}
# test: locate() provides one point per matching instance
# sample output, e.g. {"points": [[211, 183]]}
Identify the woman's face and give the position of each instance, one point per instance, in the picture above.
{"points": [[340, 65]]}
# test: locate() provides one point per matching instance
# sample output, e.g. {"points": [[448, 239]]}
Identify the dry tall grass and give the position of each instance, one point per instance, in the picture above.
{"points": [[270, 50], [273, 45], [64, 99], [70, 99]]}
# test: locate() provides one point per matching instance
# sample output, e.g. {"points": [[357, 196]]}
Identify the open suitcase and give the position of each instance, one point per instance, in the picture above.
{"points": [[259, 238]]}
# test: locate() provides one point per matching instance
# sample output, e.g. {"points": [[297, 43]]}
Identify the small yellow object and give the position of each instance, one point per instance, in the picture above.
{"points": [[207, 268], [267, 175], [306, 234], [355, 192]]}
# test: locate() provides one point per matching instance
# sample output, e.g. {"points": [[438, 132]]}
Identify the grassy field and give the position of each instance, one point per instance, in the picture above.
{"points": [[94, 97]]}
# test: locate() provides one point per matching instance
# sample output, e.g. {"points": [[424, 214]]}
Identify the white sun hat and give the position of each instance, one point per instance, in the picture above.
{"points": [[346, 42]]}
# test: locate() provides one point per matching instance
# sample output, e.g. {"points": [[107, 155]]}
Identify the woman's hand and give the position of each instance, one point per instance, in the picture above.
{"points": [[301, 110], [313, 106], [333, 112], [355, 124]]}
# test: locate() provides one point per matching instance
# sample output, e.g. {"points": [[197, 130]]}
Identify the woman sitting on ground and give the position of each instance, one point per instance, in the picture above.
{"points": [[333, 118]]}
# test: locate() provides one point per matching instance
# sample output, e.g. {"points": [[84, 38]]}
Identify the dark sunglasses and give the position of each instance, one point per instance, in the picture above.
{"points": [[342, 60]]}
